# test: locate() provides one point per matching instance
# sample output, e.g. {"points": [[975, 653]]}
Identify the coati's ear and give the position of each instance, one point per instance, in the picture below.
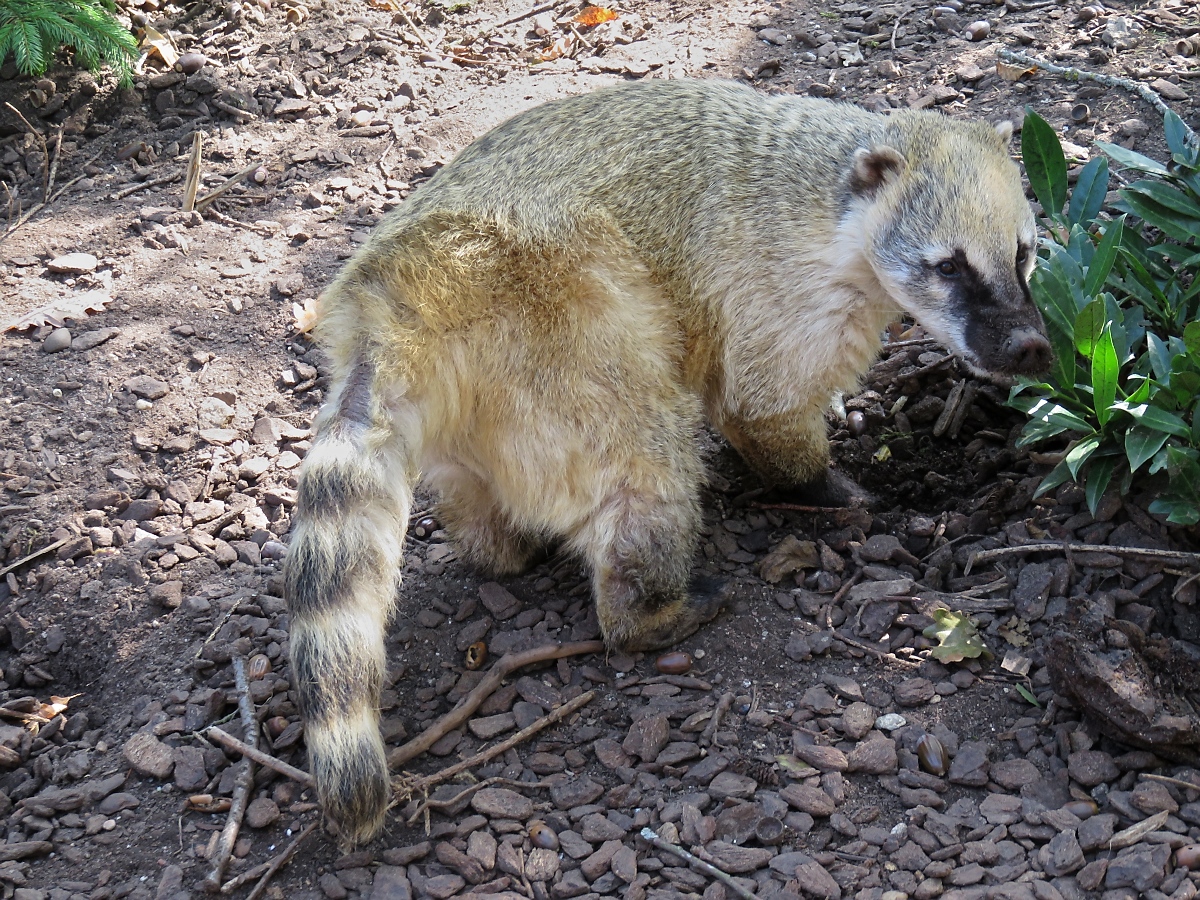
{"points": [[872, 169], [1005, 130]]}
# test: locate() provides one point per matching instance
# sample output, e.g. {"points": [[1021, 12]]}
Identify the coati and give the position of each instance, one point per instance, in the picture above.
{"points": [[540, 331]]}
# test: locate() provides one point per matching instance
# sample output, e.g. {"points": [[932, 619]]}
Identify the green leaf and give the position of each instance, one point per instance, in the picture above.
{"points": [[1060, 474], [1184, 472], [1128, 159], [1155, 418], [1090, 189], [1098, 477], [1106, 255], [1176, 133], [1191, 337], [1089, 325], [1178, 512], [1027, 694], [1105, 371], [957, 635], [1183, 226], [1141, 444], [1080, 453], [1044, 163]]}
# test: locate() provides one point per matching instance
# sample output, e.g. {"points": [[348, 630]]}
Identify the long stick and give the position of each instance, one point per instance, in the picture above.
{"points": [[1062, 547], [555, 715], [34, 555], [1100, 78], [279, 862], [245, 782], [225, 185], [495, 676], [697, 863], [226, 739]]}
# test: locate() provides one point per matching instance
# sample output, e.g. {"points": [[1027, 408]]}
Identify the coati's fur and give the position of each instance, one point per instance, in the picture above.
{"points": [[540, 331]]}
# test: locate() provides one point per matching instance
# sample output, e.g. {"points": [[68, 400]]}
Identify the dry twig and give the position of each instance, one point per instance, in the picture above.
{"points": [[697, 863], [49, 548], [1065, 547], [527, 14], [714, 722], [426, 805], [280, 861], [225, 185], [225, 739], [555, 715], [243, 786], [192, 183], [1071, 72], [508, 664]]}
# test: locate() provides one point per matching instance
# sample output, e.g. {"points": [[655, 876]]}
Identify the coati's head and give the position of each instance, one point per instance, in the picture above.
{"points": [[951, 237]]}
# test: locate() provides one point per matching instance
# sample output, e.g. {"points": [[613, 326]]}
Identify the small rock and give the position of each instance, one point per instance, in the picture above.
{"points": [[811, 800], [262, 813], [73, 264], [147, 387], [501, 803], [1091, 767], [58, 340], [1169, 89], [914, 692], [94, 338], [149, 756]]}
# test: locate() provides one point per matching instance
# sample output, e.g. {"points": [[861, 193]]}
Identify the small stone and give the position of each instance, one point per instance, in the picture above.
{"points": [[821, 758], [147, 387], [262, 813], [970, 766], [499, 602], [914, 692], [149, 756], [1091, 767], [738, 860], [94, 338], [191, 62], [441, 887], [190, 775], [1062, 855], [730, 785], [168, 595], [874, 757], [1014, 774], [811, 800], [624, 864], [647, 737], [58, 340], [501, 803], [73, 264], [1169, 89], [815, 881], [541, 864]]}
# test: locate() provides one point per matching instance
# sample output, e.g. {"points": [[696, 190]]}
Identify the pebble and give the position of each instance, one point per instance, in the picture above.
{"points": [[57, 340], [73, 264], [149, 756], [501, 803]]}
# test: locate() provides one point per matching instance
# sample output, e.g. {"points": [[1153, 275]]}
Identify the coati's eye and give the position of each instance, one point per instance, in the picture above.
{"points": [[948, 268], [1022, 254]]}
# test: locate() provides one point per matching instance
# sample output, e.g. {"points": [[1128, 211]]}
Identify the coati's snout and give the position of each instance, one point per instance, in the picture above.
{"points": [[1003, 331], [1027, 352]]}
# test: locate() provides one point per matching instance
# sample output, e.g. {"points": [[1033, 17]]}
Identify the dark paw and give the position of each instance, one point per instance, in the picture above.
{"points": [[706, 598], [832, 489]]}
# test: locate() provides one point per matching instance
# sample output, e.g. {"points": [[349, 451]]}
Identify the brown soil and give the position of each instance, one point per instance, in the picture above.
{"points": [[135, 616]]}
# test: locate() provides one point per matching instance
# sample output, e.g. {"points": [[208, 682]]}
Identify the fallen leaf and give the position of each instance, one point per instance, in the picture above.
{"points": [[883, 454], [590, 16], [1009, 72], [1016, 663], [957, 636], [155, 42], [306, 315], [794, 766], [1015, 631], [68, 306], [564, 46], [1028, 695], [790, 556]]}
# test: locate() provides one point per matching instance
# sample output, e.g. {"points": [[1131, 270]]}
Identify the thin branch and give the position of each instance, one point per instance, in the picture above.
{"points": [[50, 548], [527, 14], [192, 181], [697, 863], [555, 715], [225, 739], [225, 185], [243, 786], [1071, 72], [426, 805], [280, 861], [1063, 547], [495, 676]]}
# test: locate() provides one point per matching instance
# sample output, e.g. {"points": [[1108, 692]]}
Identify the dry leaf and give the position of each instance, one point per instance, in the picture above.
{"points": [[590, 16], [68, 306], [790, 556], [1009, 72], [305, 315], [155, 42], [564, 46], [957, 636]]}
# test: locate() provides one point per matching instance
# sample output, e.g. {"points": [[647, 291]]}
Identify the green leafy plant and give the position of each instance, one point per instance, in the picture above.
{"points": [[1121, 300], [32, 31]]}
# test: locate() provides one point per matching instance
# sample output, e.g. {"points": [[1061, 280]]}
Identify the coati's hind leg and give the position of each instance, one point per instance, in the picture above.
{"points": [[640, 544], [342, 570], [468, 509], [791, 451]]}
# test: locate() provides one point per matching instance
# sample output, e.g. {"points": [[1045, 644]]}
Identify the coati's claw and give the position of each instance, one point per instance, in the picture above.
{"points": [[707, 597], [832, 489]]}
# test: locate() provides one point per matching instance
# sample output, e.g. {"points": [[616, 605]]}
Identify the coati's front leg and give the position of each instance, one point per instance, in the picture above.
{"points": [[791, 451], [342, 570]]}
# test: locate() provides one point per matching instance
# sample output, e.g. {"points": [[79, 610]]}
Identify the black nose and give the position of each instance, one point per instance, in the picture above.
{"points": [[1028, 352]]}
